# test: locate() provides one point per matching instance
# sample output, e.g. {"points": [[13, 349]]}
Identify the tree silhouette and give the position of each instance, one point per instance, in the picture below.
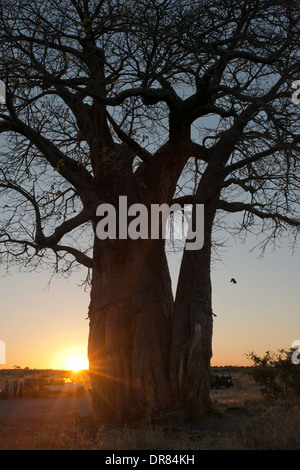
{"points": [[162, 101]]}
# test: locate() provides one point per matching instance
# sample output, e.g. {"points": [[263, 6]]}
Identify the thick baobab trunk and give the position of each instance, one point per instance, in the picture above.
{"points": [[191, 345], [130, 318]]}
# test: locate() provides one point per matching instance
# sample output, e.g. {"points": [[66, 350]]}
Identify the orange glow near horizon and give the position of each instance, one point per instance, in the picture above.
{"points": [[72, 358], [77, 363]]}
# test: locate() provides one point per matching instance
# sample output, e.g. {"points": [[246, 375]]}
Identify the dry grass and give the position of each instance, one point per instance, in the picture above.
{"points": [[273, 430], [243, 420]]}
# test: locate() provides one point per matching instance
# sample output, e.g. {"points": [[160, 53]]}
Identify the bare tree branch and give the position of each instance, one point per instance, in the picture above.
{"points": [[240, 206]]}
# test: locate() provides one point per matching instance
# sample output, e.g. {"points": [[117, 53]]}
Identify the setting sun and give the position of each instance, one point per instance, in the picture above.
{"points": [[77, 363], [72, 358]]}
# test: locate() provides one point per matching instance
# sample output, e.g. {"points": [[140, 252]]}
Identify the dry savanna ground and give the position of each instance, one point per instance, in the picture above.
{"points": [[240, 419]]}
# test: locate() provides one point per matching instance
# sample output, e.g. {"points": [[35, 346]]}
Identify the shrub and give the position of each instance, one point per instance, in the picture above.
{"points": [[278, 376]]}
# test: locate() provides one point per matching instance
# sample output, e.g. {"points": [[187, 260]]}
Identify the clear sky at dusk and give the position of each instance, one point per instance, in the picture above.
{"points": [[46, 327]]}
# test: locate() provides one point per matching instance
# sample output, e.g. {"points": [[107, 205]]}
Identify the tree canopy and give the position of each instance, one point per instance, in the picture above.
{"points": [[150, 69], [159, 100]]}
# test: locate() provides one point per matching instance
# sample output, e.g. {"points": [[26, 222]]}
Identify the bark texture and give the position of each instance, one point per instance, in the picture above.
{"points": [[191, 346], [130, 319]]}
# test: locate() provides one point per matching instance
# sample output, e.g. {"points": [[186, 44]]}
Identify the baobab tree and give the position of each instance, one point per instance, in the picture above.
{"points": [[161, 101]]}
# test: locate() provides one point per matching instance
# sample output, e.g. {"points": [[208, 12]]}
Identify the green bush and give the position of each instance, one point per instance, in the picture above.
{"points": [[278, 376]]}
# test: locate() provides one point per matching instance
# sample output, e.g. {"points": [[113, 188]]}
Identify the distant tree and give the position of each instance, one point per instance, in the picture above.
{"points": [[161, 101], [276, 373]]}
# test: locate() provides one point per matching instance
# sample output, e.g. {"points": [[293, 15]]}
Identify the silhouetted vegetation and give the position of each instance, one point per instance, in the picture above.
{"points": [[276, 373]]}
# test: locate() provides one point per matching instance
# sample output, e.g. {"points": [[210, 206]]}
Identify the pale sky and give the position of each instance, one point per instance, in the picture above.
{"points": [[46, 328]]}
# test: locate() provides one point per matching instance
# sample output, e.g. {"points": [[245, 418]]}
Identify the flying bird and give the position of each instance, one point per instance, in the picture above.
{"points": [[233, 280]]}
